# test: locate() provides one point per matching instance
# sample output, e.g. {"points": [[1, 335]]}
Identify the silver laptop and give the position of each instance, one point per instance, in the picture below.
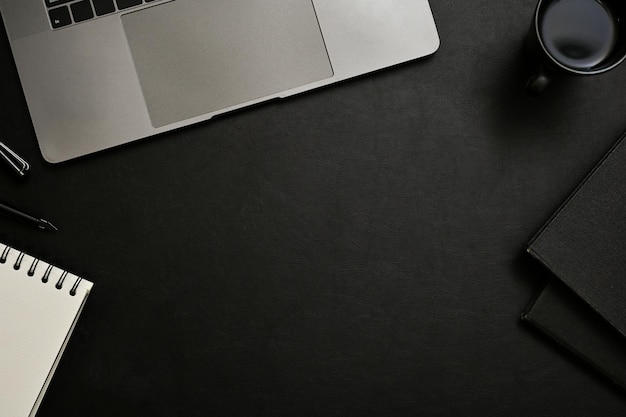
{"points": [[101, 73]]}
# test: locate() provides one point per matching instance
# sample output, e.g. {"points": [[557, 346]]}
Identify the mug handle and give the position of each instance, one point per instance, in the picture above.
{"points": [[538, 82]]}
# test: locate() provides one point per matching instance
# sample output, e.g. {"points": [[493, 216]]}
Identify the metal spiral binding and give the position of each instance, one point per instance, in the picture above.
{"points": [[5, 254], [33, 268]]}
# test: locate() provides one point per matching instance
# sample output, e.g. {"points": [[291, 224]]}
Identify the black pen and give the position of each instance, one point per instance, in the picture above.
{"points": [[16, 214]]}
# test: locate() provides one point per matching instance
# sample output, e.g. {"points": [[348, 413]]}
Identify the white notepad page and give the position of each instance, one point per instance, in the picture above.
{"points": [[36, 321]]}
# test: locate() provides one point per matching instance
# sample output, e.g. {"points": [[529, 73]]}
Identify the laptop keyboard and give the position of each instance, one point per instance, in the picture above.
{"points": [[64, 13]]}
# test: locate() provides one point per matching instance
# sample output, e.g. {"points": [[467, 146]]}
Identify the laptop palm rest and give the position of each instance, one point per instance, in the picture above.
{"points": [[195, 57]]}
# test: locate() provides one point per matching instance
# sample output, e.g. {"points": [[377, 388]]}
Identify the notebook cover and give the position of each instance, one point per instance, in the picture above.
{"points": [[571, 322], [584, 243]]}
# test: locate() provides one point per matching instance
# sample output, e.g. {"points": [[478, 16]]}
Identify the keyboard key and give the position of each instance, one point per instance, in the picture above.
{"points": [[103, 7], [53, 3], [81, 11], [60, 17], [125, 4]]}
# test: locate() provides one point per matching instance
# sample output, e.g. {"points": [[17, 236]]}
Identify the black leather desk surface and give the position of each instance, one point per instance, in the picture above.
{"points": [[353, 251]]}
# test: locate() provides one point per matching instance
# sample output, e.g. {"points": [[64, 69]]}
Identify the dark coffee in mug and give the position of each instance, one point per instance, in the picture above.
{"points": [[574, 37], [579, 33]]}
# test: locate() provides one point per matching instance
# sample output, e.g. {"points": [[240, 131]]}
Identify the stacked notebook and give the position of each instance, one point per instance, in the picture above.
{"points": [[39, 306], [584, 245]]}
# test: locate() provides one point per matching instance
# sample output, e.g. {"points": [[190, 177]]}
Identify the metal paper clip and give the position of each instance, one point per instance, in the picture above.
{"points": [[19, 164]]}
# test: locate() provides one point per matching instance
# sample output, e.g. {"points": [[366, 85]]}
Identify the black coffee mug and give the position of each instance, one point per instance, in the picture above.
{"points": [[575, 37]]}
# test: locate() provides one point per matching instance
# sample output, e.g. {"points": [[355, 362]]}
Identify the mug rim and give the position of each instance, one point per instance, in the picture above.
{"points": [[590, 71]]}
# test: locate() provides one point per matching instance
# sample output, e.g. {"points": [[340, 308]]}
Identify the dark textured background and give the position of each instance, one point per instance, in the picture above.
{"points": [[354, 251]]}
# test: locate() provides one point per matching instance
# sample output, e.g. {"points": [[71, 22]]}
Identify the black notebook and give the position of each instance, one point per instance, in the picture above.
{"points": [[565, 317], [584, 245]]}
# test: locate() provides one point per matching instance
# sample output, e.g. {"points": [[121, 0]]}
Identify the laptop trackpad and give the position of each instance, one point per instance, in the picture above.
{"points": [[196, 56]]}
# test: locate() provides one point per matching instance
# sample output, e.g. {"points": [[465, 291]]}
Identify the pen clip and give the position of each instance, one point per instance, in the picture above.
{"points": [[19, 164]]}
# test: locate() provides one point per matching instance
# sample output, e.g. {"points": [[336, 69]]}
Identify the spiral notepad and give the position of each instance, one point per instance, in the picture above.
{"points": [[39, 306]]}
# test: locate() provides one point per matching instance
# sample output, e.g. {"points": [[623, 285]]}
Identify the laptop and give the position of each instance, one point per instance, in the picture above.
{"points": [[101, 73]]}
